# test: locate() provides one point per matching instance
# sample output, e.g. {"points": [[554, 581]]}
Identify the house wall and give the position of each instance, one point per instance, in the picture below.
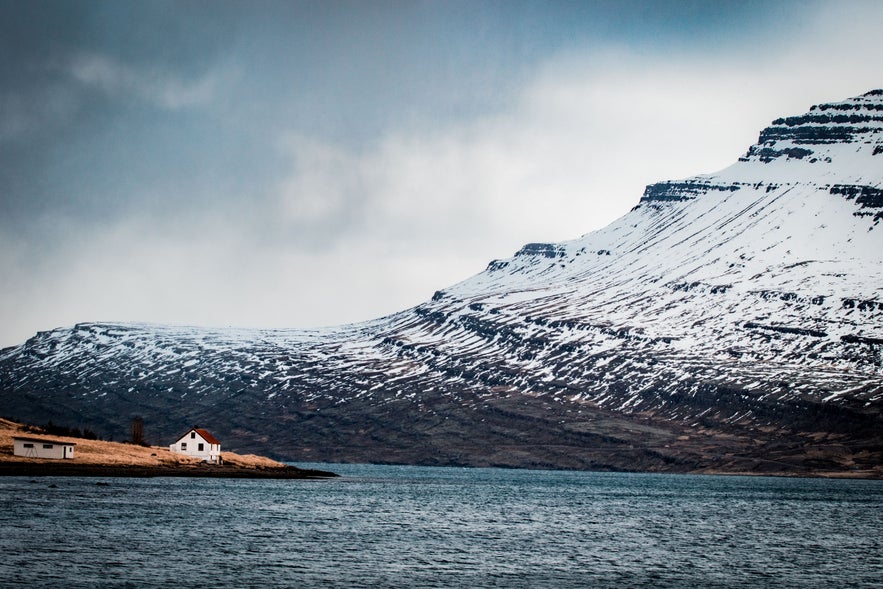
{"points": [[189, 445], [42, 449]]}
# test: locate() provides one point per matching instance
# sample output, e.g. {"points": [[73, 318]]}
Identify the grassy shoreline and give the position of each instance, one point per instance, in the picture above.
{"points": [[56, 468], [95, 458]]}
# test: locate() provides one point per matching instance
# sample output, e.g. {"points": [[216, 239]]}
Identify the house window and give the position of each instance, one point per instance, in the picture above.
{"points": [[47, 445], [201, 447], [192, 435], [28, 445], [183, 445]]}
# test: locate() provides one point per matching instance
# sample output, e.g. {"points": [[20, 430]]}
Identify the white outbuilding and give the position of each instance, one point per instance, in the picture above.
{"points": [[42, 448], [200, 444]]}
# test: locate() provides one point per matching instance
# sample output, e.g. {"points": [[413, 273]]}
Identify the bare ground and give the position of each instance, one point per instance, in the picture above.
{"points": [[99, 458]]}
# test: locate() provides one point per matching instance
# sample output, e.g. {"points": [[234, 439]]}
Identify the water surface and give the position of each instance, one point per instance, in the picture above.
{"points": [[395, 526]]}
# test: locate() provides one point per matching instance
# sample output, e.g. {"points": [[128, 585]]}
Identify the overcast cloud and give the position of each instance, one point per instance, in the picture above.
{"points": [[301, 164]]}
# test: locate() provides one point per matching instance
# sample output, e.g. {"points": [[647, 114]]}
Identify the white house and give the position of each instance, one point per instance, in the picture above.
{"points": [[199, 444], [42, 448]]}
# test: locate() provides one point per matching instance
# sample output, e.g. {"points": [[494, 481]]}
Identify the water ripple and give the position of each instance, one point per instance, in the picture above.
{"points": [[424, 527]]}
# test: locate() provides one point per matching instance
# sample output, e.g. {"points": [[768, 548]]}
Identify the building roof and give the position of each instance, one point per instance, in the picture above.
{"points": [[207, 436], [43, 441], [203, 433]]}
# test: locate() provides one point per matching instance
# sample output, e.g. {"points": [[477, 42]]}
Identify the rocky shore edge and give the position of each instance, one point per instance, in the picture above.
{"points": [[67, 469]]}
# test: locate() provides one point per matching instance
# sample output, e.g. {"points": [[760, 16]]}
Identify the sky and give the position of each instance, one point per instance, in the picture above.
{"points": [[300, 164]]}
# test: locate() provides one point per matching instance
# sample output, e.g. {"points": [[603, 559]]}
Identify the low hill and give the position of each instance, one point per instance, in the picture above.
{"points": [[95, 457]]}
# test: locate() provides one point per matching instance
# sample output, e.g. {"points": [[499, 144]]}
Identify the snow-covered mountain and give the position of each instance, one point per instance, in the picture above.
{"points": [[731, 321]]}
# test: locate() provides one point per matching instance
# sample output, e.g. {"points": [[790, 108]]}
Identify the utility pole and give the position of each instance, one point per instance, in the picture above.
{"points": [[138, 430]]}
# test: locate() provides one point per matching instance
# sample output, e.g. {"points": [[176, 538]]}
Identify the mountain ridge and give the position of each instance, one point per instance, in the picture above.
{"points": [[729, 322]]}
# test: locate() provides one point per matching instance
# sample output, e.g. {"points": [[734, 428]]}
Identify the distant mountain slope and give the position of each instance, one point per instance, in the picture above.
{"points": [[731, 321]]}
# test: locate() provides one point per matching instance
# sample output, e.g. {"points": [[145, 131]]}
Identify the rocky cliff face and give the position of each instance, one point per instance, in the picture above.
{"points": [[731, 322]]}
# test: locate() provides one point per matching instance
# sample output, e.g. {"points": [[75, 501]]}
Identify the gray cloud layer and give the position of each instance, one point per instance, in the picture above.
{"points": [[295, 164]]}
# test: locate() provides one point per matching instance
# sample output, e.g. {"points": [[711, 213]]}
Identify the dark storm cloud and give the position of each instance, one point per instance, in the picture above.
{"points": [[110, 109], [76, 145], [238, 162]]}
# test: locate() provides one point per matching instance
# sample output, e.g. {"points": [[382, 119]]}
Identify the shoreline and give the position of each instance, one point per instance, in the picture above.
{"points": [[67, 469], [97, 458]]}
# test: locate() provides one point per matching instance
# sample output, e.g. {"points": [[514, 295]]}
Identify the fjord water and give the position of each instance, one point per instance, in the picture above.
{"points": [[397, 526]]}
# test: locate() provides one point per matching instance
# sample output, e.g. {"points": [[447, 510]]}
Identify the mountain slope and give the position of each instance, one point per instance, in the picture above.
{"points": [[731, 321]]}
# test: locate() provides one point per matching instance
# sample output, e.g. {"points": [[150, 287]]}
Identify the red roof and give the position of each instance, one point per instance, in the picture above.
{"points": [[204, 433], [207, 436]]}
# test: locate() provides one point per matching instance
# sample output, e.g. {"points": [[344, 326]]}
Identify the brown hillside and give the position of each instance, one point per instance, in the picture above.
{"points": [[98, 453]]}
